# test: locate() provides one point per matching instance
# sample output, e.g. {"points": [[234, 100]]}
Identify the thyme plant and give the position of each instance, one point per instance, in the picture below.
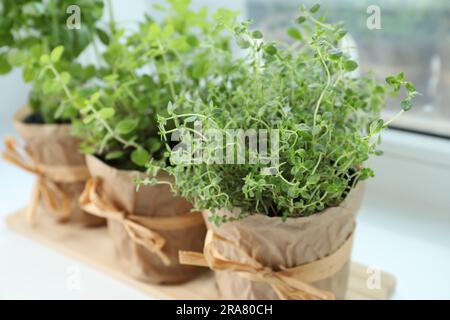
{"points": [[329, 123]]}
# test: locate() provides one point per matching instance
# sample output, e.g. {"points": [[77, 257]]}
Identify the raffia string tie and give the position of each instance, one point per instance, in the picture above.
{"points": [[48, 177], [139, 228], [288, 283]]}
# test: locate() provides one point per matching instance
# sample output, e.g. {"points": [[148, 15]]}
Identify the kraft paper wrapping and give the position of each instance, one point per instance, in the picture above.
{"points": [[53, 145], [151, 201], [277, 244]]}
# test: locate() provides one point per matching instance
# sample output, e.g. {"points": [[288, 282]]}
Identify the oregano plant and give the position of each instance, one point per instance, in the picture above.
{"points": [[328, 121], [144, 72], [30, 30]]}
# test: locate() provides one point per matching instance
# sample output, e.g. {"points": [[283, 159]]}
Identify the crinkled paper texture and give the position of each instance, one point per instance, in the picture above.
{"points": [[152, 201], [52, 144], [288, 244]]}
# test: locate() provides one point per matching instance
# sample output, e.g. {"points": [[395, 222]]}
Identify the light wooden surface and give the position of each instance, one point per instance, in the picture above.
{"points": [[94, 247]]}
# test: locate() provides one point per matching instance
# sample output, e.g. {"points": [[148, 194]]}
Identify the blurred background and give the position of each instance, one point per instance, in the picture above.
{"points": [[404, 225], [414, 37]]}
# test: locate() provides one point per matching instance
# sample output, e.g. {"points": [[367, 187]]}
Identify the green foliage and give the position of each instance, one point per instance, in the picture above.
{"points": [[143, 72], [329, 123], [168, 75], [34, 33]]}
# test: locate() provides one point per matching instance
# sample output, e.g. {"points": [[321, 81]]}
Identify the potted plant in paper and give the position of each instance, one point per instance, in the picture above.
{"points": [[275, 157], [33, 35], [145, 71]]}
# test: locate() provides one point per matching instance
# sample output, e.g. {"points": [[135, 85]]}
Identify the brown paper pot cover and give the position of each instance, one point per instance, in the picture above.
{"points": [[153, 201], [52, 144], [275, 243]]}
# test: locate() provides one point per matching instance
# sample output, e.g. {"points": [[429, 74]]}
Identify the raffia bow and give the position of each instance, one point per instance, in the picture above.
{"points": [[48, 177], [288, 283], [137, 227]]}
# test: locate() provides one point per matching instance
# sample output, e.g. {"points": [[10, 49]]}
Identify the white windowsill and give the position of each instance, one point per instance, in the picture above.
{"points": [[403, 228]]}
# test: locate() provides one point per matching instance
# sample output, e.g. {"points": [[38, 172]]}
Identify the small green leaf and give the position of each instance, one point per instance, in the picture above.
{"points": [[406, 104], [87, 149], [28, 73], [192, 40], [94, 97], [410, 87], [391, 80], [190, 119], [65, 78], [56, 54], [216, 112], [36, 51], [126, 126], [379, 89], [401, 76], [85, 110], [103, 36], [89, 119], [294, 33], [45, 59], [350, 65], [33, 8], [243, 43], [16, 58], [170, 107], [366, 173], [111, 77], [155, 144], [114, 155], [140, 157], [270, 49], [106, 113], [257, 34], [313, 179], [201, 69], [341, 34], [376, 126], [335, 53], [5, 67], [301, 19], [314, 8], [49, 86]]}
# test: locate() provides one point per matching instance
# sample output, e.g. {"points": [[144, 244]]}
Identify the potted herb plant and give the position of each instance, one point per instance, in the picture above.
{"points": [[144, 72], [33, 33], [281, 226]]}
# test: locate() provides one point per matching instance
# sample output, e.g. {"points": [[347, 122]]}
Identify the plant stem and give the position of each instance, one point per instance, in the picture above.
{"points": [[112, 22], [393, 118], [317, 164], [322, 94], [169, 75], [54, 21], [323, 25], [100, 119], [58, 76]]}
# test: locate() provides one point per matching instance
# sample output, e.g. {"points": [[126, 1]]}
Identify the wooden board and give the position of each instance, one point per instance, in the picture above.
{"points": [[94, 247]]}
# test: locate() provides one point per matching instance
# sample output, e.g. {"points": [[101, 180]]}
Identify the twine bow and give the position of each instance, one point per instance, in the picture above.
{"points": [[137, 227], [288, 283], [48, 177]]}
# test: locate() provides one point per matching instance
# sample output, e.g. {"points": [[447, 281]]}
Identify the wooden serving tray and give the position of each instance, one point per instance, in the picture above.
{"points": [[94, 247]]}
